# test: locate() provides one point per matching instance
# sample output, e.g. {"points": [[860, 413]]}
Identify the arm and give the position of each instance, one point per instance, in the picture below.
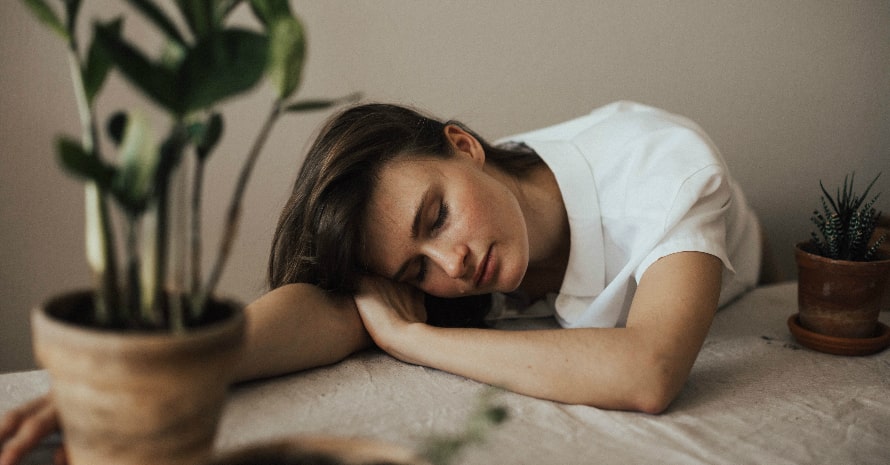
{"points": [[640, 367], [299, 326]]}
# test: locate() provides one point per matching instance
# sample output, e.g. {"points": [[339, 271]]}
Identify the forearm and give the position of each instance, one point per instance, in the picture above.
{"points": [[640, 367], [614, 368], [296, 327]]}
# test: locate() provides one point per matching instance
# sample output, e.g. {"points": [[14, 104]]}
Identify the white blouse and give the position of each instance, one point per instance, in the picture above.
{"points": [[639, 184]]}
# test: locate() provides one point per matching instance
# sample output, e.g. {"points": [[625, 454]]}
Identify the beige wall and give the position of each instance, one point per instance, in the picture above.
{"points": [[792, 91]]}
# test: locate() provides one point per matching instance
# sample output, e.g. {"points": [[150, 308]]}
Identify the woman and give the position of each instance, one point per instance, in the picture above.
{"points": [[623, 224]]}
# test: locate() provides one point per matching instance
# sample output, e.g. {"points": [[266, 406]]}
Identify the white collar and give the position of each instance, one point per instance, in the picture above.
{"points": [[586, 270]]}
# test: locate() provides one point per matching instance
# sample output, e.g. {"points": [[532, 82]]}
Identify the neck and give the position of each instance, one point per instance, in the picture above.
{"points": [[548, 231]]}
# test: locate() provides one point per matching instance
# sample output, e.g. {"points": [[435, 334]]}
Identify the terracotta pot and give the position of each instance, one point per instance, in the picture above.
{"points": [[134, 398], [840, 298], [306, 450]]}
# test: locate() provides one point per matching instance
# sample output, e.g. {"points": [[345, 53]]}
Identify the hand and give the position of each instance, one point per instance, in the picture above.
{"points": [[387, 309], [22, 429]]}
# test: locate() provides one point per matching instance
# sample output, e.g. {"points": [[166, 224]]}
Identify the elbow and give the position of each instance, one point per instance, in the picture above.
{"points": [[656, 388], [652, 401], [648, 394]]}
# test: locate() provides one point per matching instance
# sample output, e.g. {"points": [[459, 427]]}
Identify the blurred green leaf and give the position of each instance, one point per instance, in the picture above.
{"points": [[139, 161], [159, 18], [72, 9], [172, 55], [287, 49], [222, 8], [48, 17], [170, 155], [220, 66], [83, 164], [116, 126], [98, 63], [205, 135], [154, 80], [198, 15], [267, 11]]}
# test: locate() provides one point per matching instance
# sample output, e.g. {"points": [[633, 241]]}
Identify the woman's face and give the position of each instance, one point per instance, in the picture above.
{"points": [[446, 226]]}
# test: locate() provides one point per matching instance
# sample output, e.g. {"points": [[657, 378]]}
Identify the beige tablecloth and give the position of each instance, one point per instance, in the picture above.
{"points": [[754, 396]]}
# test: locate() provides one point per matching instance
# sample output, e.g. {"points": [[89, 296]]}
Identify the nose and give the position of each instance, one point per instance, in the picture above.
{"points": [[451, 258]]}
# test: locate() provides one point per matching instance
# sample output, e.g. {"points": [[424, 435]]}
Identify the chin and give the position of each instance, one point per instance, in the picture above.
{"points": [[513, 283]]}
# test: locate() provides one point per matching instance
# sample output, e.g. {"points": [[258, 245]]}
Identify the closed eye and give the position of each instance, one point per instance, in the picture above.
{"points": [[441, 217]]}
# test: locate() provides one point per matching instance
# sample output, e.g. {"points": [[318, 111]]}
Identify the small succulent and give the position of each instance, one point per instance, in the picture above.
{"points": [[846, 224]]}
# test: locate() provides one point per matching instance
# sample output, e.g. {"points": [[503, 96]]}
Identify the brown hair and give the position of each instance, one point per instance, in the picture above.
{"points": [[319, 236]]}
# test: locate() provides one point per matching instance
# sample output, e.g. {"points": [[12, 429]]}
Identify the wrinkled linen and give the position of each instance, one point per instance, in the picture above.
{"points": [[754, 396]]}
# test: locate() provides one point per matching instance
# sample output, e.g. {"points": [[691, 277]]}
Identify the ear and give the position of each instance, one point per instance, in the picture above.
{"points": [[465, 144]]}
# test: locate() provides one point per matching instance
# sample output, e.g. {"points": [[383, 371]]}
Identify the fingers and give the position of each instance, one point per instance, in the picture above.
{"points": [[23, 428]]}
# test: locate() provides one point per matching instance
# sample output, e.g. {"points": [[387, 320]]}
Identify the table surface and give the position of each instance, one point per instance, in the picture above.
{"points": [[754, 396]]}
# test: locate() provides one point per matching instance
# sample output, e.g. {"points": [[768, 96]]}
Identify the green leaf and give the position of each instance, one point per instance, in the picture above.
{"points": [[98, 63], [222, 9], [205, 135], [170, 155], [116, 126], [198, 15], [156, 81], [320, 104], [267, 11], [83, 164], [133, 184], [172, 55], [220, 66], [287, 49], [48, 17], [159, 18], [72, 9]]}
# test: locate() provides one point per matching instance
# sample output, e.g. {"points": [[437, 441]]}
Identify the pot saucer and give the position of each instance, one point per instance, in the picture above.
{"points": [[839, 345]]}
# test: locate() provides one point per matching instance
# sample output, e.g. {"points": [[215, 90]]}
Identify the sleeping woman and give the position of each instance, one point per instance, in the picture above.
{"points": [[624, 225]]}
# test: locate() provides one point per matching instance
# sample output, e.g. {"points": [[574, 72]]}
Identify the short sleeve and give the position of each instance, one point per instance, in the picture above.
{"points": [[696, 220]]}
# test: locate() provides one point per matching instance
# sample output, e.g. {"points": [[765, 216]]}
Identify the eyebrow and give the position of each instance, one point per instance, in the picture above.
{"points": [[415, 231]]}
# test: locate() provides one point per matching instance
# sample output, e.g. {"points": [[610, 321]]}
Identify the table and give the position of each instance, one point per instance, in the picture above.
{"points": [[754, 396]]}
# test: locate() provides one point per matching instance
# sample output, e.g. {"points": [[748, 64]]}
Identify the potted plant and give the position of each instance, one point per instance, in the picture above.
{"points": [[140, 363], [843, 274]]}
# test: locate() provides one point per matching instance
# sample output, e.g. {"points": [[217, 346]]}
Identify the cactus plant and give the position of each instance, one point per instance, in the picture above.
{"points": [[847, 223]]}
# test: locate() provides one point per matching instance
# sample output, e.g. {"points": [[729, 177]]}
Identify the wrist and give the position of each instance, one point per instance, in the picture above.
{"points": [[407, 343]]}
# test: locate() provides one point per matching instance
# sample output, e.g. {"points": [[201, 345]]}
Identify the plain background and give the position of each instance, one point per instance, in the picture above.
{"points": [[791, 91]]}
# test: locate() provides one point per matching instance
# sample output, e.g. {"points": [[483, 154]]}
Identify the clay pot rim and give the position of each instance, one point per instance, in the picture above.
{"points": [[839, 345], [801, 250], [77, 335]]}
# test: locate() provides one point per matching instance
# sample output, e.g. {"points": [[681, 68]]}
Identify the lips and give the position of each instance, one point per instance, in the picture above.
{"points": [[485, 270]]}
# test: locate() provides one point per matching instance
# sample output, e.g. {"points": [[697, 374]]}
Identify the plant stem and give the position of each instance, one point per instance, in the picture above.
{"points": [[100, 249], [197, 188], [134, 283], [179, 249], [234, 212]]}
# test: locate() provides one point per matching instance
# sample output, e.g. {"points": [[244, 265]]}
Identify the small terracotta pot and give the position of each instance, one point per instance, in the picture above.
{"points": [[133, 398], [839, 298]]}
